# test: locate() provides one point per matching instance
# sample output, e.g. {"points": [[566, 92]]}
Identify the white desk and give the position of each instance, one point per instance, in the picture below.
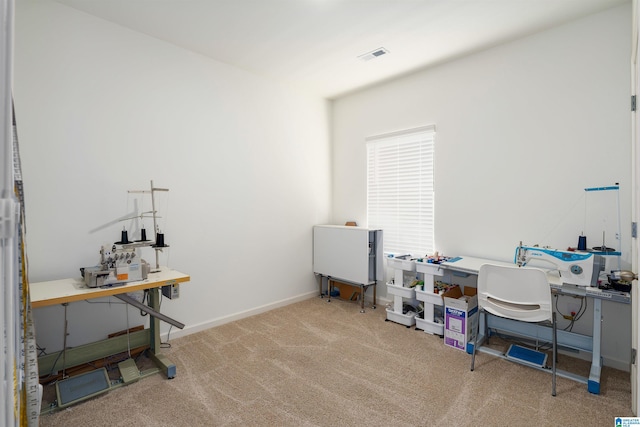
{"points": [[591, 344], [71, 290]]}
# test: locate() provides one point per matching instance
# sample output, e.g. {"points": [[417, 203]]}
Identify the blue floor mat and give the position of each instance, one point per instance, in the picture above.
{"points": [[526, 355]]}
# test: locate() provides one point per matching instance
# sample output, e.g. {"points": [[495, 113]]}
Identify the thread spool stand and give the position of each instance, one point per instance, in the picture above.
{"points": [[614, 191], [159, 242]]}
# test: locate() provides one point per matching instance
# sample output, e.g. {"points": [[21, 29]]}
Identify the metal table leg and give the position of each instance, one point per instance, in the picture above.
{"points": [[596, 362], [165, 365]]}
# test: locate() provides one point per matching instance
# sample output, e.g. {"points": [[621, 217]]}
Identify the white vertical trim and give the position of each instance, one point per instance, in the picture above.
{"points": [[635, 207], [9, 310], [6, 58]]}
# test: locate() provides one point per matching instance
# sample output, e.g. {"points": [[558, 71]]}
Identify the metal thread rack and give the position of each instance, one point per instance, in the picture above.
{"points": [[158, 244], [604, 250]]}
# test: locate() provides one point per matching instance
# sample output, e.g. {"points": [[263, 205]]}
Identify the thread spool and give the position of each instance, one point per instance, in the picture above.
{"points": [[124, 238], [143, 235], [159, 241], [582, 243]]}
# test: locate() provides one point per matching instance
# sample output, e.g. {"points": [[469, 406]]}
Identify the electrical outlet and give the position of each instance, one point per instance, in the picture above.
{"points": [[171, 291], [573, 305]]}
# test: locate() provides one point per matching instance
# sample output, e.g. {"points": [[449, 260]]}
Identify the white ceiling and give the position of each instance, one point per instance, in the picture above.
{"points": [[315, 44]]}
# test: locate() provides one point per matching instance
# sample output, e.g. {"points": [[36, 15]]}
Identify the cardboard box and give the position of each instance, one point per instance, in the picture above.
{"points": [[348, 291], [460, 317]]}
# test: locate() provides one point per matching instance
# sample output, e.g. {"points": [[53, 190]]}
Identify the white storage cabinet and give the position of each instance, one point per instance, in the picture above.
{"points": [[399, 266], [348, 254], [429, 323]]}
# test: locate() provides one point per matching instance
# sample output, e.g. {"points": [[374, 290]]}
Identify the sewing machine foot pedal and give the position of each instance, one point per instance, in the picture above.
{"points": [[527, 356], [81, 387], [129, 371]]}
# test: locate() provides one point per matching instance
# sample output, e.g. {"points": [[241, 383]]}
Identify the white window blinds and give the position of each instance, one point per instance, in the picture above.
{"points": [[400, 190]]}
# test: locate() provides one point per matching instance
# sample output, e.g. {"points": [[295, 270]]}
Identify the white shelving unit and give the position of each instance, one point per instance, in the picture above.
{"points": [[400, 293], [429, 323]]}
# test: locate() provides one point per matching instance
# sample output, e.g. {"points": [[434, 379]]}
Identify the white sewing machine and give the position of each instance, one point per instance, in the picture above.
{"points": [[575, 268], [117, 266]]}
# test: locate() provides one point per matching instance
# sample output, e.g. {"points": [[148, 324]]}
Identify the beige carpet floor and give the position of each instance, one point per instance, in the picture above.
{"points": [[315, 363]]}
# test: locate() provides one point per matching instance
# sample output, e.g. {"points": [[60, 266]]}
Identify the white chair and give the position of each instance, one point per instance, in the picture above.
{"points": [[516, 293]]}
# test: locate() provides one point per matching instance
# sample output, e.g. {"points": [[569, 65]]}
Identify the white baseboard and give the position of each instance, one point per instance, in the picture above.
{"points": [[611, 362], [192, 329]]}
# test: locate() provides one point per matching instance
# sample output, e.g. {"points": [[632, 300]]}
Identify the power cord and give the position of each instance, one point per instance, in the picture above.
{"points": [[573, 316]]}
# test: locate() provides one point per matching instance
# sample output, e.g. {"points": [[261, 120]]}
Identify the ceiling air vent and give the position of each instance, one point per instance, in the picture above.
{"points": [[373, 54]]}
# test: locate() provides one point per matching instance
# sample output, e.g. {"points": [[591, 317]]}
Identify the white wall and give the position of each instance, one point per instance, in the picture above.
{"points": [[522, 130], [102, 110]]}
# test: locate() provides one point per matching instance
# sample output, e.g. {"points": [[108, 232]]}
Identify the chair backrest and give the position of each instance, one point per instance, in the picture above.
{"points": [[520, 293]]}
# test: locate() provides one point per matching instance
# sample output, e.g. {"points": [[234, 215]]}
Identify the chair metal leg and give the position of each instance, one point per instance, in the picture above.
{"points": [[486, 327], [475, 340], [554, 355], [475, 344]]}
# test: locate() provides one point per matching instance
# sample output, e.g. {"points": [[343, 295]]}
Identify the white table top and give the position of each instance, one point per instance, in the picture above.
{"points": [[471, 265], [69, 290]]}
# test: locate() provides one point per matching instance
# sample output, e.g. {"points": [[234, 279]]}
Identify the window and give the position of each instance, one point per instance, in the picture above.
{"points": [[400, 191]]}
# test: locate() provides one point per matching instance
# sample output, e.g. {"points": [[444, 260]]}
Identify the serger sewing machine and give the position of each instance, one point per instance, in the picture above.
{"points": [[575, 268], [118, 266]]}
